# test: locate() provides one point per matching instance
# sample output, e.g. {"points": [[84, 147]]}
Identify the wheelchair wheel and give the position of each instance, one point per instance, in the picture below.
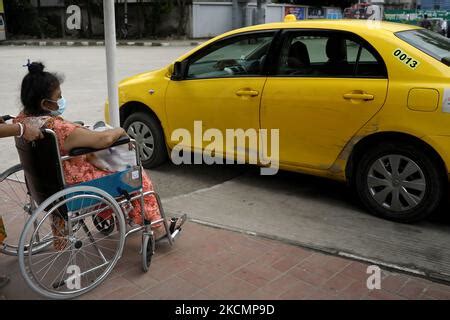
{"points": [[80, 256], [148, 249], [17, 208]]}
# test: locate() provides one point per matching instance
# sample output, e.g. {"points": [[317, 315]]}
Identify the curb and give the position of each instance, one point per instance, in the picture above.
{"points": [[415, 272], [38, 43]]}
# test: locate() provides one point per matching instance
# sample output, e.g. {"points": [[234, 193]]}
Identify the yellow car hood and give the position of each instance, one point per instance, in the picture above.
{"points": [[143, 77]]}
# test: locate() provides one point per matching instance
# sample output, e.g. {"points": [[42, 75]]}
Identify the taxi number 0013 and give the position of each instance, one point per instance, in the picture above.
{"points": [[406, 59]]}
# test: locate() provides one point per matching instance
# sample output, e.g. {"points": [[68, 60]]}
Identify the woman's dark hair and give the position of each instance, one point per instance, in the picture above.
{"points": [[37, 85]]}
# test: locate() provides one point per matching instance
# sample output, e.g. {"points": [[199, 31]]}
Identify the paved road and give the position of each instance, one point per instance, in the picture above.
{"points": [[84, 72], [296, 208]]}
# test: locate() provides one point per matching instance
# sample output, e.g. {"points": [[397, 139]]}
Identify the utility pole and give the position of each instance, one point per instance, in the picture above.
{"points": [[41, 34], [261, 11], [236, 15], [110, 46], [239, 17], [125, 13]]}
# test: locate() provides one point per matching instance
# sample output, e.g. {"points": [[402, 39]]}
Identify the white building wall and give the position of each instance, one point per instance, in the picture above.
{"points": [[211, 18]]}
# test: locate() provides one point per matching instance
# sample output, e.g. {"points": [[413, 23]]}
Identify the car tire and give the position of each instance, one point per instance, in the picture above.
{"points": [[407, 194], [148, 133]]}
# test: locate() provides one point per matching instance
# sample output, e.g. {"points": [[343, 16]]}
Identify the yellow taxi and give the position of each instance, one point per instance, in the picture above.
{"points": [[359, 101]]}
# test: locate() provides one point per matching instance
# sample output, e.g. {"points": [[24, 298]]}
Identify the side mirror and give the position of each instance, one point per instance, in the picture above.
{"points": [[179, 69]]}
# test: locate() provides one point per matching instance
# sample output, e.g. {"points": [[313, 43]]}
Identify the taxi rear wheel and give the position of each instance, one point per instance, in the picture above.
{"points": [[147, 131], [399, 182]]}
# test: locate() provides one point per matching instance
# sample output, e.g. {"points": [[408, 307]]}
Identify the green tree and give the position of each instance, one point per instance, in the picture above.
{"points": [[22, 18], [182, 8]]}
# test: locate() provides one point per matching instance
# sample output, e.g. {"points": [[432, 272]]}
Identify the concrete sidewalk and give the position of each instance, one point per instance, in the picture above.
{"points": [[90, 42], [319, 214], [210, 263]]}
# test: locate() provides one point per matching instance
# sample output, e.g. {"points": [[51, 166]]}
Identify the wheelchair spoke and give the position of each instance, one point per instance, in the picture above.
{"points": [[51, 264], [15, 208], [63, 270], [78, 240]]}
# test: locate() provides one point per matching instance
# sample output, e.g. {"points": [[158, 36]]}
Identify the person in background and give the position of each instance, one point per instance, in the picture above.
{"points": [[444, 27], [29, 133], [425, 23], [43, 105]]}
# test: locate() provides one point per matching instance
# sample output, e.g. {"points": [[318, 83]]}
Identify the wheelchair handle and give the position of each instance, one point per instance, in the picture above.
{"points": [[7, 117]]}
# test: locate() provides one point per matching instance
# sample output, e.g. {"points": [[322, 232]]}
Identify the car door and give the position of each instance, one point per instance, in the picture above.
{"points": [[325, 87], [222, 86]]}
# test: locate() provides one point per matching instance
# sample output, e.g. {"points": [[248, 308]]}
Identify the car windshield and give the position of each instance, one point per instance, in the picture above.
{"points": [[429, 42]]}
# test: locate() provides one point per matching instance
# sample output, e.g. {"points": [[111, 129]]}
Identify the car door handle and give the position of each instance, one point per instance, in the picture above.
{"points": [[247, 92], [359, 96]]}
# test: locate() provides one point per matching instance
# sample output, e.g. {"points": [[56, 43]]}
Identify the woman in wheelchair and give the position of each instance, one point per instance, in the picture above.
{"points": [[43, 105]]}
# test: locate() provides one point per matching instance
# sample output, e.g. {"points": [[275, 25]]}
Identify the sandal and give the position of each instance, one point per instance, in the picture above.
{"points": [[174, 224]]}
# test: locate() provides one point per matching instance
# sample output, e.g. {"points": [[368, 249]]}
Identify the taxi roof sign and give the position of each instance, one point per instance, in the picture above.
{"points": [[290, 18]]}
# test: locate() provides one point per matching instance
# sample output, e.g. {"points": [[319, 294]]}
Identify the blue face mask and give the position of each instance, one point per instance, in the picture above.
{"points": [[61, 107]]}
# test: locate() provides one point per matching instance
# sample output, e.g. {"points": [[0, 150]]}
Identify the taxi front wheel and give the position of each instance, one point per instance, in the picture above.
{"points": [[147, 132], [399, 182]]}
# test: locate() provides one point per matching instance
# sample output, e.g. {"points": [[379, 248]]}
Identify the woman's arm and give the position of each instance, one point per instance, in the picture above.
{"points": [[28, 132], [9, 130], [82, 137]]}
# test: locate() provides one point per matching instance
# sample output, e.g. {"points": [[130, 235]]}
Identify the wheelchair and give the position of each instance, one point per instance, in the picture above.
{"points": [[74, 235]]}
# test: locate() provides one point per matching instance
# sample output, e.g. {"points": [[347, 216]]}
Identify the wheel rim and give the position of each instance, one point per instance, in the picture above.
{"points": [[85, 248], [140, 132], [396, 182]]}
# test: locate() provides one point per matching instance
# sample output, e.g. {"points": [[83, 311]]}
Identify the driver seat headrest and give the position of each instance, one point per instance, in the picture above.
{"points": [[336, 49], [298, 55]]}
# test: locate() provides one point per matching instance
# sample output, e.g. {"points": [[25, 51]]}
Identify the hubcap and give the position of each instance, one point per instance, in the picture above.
{"points": [[144, 137], [78, 244], [396, 183]]}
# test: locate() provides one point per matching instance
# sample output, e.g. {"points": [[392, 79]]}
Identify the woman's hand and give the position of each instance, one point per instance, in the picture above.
{"points": [[31, 133]]}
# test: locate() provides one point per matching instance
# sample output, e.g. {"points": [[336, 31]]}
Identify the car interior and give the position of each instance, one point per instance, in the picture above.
{"points": [[250, 60], [297, 60], [309, 56]]}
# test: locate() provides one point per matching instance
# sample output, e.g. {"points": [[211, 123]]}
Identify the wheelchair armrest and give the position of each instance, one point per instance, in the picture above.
{"points": [[82, 151]]}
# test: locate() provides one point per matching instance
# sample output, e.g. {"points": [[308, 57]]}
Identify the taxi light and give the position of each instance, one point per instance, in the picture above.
{"points": [[290, 18]]}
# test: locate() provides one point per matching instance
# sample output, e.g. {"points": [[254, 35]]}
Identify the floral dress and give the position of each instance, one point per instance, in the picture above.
{"points": [[79, 169]]}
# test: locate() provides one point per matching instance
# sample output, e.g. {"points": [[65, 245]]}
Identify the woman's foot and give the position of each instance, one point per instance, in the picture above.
{"points": [[174, 224]]}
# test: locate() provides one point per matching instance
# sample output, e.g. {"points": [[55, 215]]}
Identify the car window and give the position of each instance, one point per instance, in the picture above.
{"points": [[327, 55], [427, 41], [238, 56]]}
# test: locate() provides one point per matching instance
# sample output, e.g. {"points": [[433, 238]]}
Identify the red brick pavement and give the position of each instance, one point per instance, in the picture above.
{"points": [[209, 263]]}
